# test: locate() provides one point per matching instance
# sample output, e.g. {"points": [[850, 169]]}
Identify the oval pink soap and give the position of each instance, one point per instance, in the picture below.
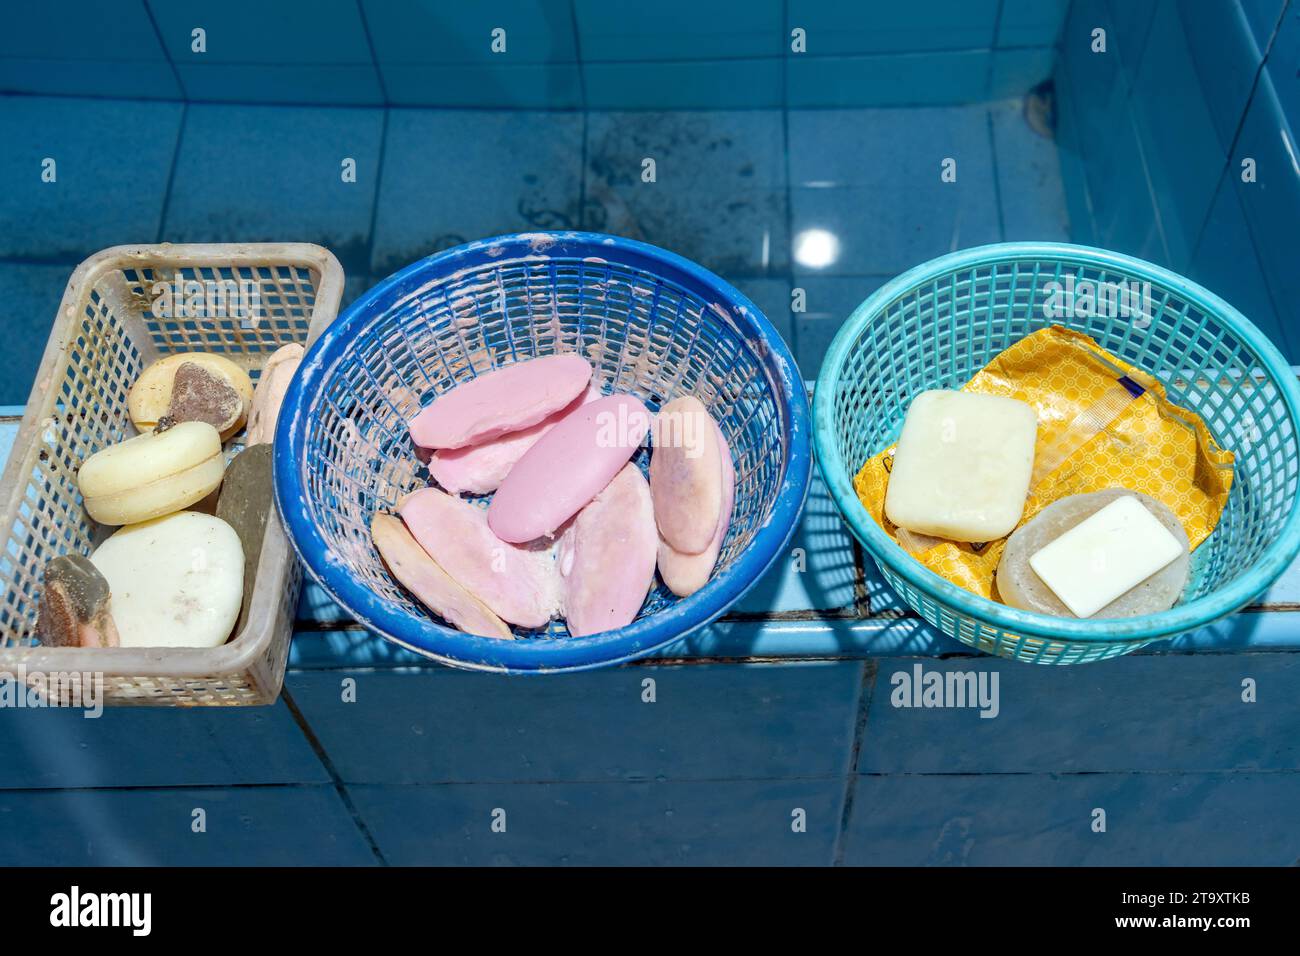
{"points": [[479, 469], [519, 585], [569, 465], [501, 401], [686, 573], [607, 556]]}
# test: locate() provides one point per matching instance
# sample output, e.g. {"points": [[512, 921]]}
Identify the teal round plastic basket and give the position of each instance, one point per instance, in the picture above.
{"points": [[937, 325]]}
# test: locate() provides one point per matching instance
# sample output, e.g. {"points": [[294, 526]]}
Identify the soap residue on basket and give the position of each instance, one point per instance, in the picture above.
{"points": [[537, 241]]}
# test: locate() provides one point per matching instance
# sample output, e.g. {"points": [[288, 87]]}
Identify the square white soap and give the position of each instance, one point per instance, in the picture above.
{"points": [[962, 466], [1105, 555]]}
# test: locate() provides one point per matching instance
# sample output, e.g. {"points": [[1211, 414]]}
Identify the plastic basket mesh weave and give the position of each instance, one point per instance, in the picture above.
{"points": [[650, 324], [937, 325], [104, 335]]}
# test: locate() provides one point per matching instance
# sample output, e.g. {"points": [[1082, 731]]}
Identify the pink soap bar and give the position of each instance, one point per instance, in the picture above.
{"points": [[686, 573], [686, 474], [519, 585], [501, 401], [432, 586], [479, 469], [607, 556], [568, 467]]}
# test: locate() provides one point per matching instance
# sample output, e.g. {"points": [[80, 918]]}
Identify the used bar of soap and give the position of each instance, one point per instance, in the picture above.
{"points": [[686, 475], [479, 469], [686, 573], [501, 401], [245, 505], [1019, 585], [962, 466], [74, 608], [568, 467], [607, 556], [192, 386], [177, 581], [272, 384], [152, 474], [520, 585], [432, 586], [1106, 555]]}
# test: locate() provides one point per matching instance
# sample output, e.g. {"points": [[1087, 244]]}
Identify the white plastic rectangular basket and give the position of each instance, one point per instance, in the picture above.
{"points": [[105, 334]]}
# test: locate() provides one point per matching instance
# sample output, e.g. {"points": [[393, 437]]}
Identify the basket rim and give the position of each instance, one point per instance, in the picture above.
{"points": [[425, 636], [1279, 554], [239, 655]]}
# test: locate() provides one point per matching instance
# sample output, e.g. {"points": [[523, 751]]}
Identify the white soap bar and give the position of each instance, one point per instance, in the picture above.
{"points": [[961, 469], [176, 581], [1105, 556]]}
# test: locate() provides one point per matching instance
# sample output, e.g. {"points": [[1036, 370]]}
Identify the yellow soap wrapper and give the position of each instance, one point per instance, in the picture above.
{"points": [[1101, 424]]}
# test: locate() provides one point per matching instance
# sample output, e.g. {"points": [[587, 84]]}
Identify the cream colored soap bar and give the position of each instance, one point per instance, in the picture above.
{"points": [[961, 469], [1019, 586], [152, 474], [176, 581], [1105, 555]]}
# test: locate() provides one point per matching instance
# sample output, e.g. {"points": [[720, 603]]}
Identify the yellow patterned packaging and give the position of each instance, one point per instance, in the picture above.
{"points": [[1101, 424]]}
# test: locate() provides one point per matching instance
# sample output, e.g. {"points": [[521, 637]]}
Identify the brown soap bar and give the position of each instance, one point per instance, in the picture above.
{"points": [[200, 395], [245, 504], [74, 606]]}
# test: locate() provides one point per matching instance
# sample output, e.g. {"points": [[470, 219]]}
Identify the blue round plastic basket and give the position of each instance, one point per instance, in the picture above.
{"points": [[937, 325], [650, 322]]}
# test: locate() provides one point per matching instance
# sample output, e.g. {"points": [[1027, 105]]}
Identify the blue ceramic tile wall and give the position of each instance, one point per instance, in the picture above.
{"points": [[537, 54], [111, 162], [430, 53], [1182, 153], [84, 48], [846, 27], [251, 51], [1030, 23], [679, 30], [732, 190], [1160, 125], [719, 192], [454, 175], [1272, 202], [1263, 16], [261, 173], [1283, 64]]}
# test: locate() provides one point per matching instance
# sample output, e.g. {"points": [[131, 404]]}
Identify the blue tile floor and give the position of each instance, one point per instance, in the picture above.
{"points": [[770, 737], [736, 191]]}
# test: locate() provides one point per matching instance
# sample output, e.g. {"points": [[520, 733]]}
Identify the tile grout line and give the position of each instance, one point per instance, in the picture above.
{"points": [[1226, 179], [372, 238], [1158, 772], [374, 59], [581, 217], [171, 172], [866, 692], [327, 762], [162, 43], [789, 186], [993, 49], [1225, 174], [997, 183]]}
